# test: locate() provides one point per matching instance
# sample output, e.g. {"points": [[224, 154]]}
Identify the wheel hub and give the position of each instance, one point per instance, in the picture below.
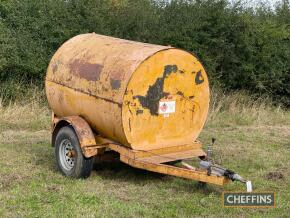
{"points": [[67, 154]]}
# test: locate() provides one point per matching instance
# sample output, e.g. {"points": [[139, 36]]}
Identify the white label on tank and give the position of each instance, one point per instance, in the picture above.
{"points": [[166, 107]]}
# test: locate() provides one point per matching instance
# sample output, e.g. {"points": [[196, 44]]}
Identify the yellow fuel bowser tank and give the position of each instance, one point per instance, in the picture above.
{"points": [[141, 95], [146, 102]]}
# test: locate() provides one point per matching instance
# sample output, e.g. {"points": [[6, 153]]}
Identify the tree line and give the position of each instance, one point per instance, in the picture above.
{"points": [[241, 48]]}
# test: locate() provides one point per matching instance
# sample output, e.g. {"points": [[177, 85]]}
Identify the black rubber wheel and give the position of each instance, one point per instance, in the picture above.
{"points": [[69, 157]]}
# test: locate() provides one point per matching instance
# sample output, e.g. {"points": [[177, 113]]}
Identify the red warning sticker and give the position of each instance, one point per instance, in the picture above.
{"points": [[166, 107]]}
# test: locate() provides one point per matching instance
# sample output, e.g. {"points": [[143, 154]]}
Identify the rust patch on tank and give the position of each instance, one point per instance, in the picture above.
{"points": [[88, 71], [115, 83], [180, 93], [182, 71], [117, 75], [155, 92], [139, 112], [55, 66]]}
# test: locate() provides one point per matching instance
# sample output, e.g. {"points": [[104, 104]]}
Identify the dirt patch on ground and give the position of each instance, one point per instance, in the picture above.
{"points": [[7, 181], [53, 188], [275, 175]]}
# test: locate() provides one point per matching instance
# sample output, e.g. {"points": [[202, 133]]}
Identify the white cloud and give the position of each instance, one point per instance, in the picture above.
{"points": [[254, 3]]}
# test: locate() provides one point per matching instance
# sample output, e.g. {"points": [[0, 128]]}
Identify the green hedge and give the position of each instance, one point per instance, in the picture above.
{"points": [[241, 48]]}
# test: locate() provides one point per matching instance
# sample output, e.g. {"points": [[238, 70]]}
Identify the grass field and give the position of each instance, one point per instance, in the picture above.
{"points": [[253, 138]]}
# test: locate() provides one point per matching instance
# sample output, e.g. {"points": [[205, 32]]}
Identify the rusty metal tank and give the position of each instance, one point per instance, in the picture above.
{"points": [[141, 95]]}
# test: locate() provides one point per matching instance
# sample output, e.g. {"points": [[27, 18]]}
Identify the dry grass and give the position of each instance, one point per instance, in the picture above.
{"points": [[253, 139], [31, 113], [240, 108]]}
